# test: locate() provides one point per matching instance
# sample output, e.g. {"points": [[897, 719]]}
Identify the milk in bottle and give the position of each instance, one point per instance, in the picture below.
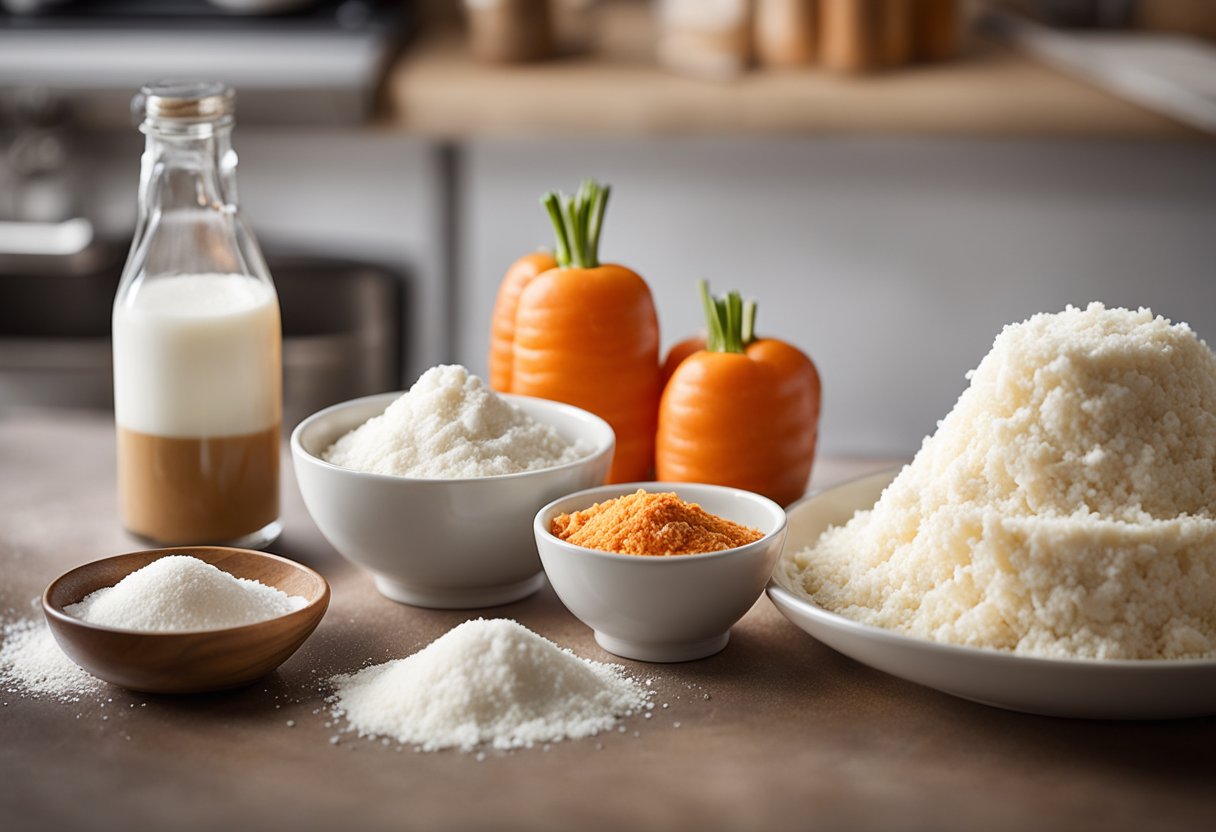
{"points": [[197, 344]]}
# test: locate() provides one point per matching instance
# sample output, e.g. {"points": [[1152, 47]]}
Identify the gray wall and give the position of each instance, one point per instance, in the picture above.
{"points": [[893, 263]]}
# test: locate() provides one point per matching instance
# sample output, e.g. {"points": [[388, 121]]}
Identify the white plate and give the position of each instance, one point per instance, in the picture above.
{"points": [[1089, 688]]}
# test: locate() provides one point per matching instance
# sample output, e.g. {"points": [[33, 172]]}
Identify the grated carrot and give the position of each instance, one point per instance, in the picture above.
{"points": [[643, 523]]}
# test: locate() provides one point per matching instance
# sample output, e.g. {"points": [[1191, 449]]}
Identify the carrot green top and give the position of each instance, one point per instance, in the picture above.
{"points": [[577, 220], [730, 322]]}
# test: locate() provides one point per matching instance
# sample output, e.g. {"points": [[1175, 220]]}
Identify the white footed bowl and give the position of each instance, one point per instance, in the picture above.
{"points": [[449, 544], [670, 608]]}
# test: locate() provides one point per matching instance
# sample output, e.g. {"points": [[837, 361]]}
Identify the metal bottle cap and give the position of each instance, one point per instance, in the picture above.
{"points": [[184, 101]]}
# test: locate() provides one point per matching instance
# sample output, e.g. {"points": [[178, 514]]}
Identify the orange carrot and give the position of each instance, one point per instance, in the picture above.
{"points": [[587, 334], [678, 353], [502, 322], [743, 412]]}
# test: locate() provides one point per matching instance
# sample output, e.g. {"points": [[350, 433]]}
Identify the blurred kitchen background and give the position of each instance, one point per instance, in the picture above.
{"points": [[894, 180]]}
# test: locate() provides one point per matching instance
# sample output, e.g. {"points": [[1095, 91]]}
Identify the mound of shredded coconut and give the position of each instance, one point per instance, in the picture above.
{"points": [[491, 682], [450, 425], [1065, 507], [32, 663], [180, 592]]}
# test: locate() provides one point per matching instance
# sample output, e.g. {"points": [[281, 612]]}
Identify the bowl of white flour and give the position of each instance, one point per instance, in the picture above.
{"points": [[187, 619], [433, 490]]}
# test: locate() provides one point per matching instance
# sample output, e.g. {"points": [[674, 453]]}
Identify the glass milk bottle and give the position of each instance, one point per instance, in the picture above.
{"points": [[197, 342]]}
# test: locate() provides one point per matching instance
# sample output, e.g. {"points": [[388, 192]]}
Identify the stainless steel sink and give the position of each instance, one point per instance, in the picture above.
{"points": [[341, 332]]}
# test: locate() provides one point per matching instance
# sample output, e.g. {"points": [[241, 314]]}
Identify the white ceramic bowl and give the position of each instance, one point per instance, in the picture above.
{"points": [[1089, 688], [449, 544], [671, 608]]}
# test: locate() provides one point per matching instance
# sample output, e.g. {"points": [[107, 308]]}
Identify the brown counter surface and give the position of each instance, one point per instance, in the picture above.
{"points": [[791, 736]]}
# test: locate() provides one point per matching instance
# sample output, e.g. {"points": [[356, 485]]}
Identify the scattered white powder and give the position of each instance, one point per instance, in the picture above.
{"points": [[489, 682], [32, 663], [450, 425], [1065, 507], [180, 592]]}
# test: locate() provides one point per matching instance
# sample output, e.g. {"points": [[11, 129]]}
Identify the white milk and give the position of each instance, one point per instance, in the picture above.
{"points": [[197, 355]]}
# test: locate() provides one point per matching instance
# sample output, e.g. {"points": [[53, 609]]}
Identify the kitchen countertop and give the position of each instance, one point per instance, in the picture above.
{"points": [[792, 734], [436, 89]]}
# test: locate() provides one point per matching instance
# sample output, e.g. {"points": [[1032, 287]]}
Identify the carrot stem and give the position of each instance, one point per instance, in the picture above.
{"points": [[586, 195], [576, 246], [552, 203], [580, 228], [577, 221], [749, 322], [598, 206], [714, 340], [728, 320], [728, 324], [734, 318]]}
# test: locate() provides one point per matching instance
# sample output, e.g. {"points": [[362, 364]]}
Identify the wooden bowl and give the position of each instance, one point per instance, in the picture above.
{"points": [[185, 661]]}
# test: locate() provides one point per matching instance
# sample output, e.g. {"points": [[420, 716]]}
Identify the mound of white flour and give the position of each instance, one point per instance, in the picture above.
{"points": [[1065, 507], [31, 663], [450, 425], [180, 592], [486, 682]]}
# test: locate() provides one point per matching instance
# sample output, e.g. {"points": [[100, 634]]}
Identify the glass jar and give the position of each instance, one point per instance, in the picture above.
{"points": [[197, 338]]}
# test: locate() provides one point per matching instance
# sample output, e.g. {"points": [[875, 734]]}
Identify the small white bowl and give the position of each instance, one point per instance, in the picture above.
{"points": [[446, 544], [669, 608]]}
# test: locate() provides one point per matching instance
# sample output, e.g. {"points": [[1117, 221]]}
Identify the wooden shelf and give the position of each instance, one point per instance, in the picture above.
{"points": [[436, 89]]}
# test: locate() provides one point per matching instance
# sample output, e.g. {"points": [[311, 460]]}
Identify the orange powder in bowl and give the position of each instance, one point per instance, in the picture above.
{"points": [[643, 523]]}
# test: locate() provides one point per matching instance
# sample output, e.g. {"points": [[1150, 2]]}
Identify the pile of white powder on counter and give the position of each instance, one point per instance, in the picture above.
{"points": [[180, 592], [491, 682], [450, 425], [1065, 507], [32, 663]]}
